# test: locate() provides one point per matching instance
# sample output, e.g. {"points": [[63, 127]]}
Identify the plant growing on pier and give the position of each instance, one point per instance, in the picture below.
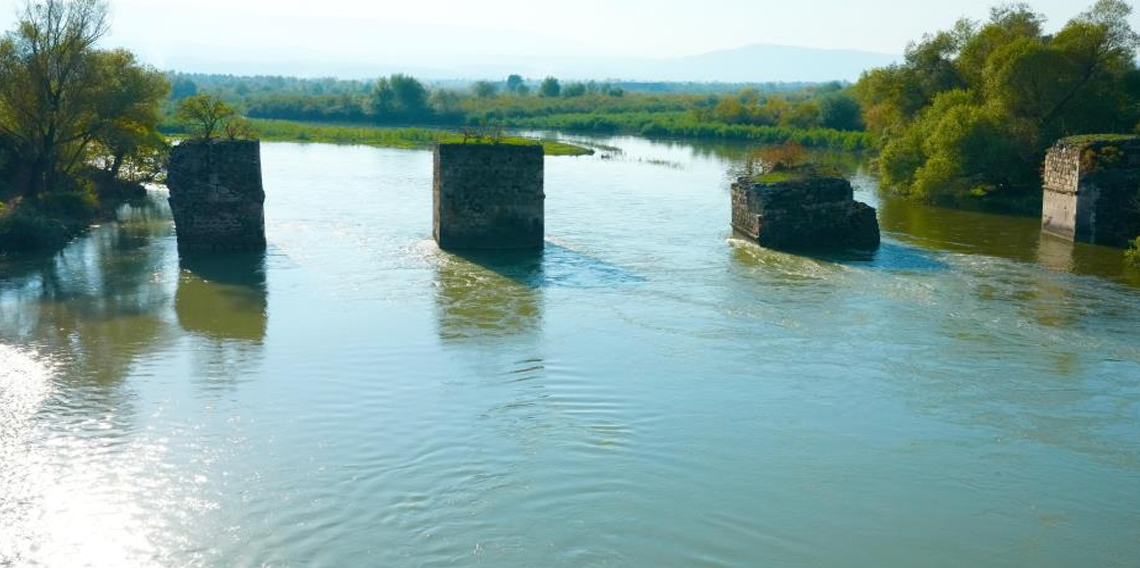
{"points": [[785, 156], [207, 117], [204, 116]]}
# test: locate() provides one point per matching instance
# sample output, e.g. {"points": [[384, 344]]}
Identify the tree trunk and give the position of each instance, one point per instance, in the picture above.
{"points": [[116, 165]]}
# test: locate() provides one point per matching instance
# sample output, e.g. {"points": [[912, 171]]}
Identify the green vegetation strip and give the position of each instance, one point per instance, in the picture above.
{"points": [[686, 125], [408, 138]]}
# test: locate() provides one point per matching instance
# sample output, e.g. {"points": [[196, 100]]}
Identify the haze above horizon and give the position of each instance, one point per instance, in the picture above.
{"points": [[456, 39]]}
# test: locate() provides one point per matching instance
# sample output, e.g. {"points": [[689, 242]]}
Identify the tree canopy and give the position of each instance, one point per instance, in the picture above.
{"points": [[550, 87], [64, 103], [972, 110]]}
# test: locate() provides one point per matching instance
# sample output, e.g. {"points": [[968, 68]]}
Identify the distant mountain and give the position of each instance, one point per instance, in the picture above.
{"points": [[749, 64], [765, 62]]}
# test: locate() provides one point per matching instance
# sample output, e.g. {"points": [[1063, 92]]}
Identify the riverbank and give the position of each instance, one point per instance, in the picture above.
{"points": [[378, 136], [50, 221], [682, 125], [47, 223]]}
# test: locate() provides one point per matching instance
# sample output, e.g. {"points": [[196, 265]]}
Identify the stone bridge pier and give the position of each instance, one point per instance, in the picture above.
{"points": [[216, 195], [488, 196], [1092, 190]]}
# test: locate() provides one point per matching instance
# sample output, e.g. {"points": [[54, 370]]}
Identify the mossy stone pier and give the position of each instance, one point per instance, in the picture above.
{"points": [[488, 196], [1092, 190], [216, 195], [802, 212]]}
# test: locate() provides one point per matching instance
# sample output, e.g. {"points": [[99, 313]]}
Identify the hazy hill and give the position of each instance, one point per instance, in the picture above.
{"points": [[753, 63]]}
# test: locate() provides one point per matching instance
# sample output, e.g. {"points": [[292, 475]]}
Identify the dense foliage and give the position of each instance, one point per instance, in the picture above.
{"points": [[71, 116], [972, 110], [818, 115], [207, 117]]}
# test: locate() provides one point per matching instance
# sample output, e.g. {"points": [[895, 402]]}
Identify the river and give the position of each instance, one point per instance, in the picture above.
{"points": [[648, 392]]}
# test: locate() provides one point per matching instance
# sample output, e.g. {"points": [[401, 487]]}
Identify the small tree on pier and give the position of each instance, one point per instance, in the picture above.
{"points": [[208, 117]]}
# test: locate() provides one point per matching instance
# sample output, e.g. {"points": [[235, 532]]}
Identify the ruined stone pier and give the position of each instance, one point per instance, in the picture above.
{"points": [[216, 195], [802, 211], [1092, 190], [488, 196]]}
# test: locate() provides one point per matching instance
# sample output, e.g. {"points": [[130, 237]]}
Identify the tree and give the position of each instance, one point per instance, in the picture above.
{"points": [[205, 116], [411, 95], [550, 87], [972, 111], [514, 82], [574, 90], [129, 100], [48, 85], [840, 110], [383, 99], [182, 88], [484, 89], [401, 96]]}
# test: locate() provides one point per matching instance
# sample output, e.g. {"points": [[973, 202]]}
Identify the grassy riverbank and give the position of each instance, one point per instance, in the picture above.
{"points": [[685, 125], [46, 222], [385, 137]]}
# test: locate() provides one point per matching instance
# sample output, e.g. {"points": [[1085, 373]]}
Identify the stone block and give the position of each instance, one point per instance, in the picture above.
{"points": [[216, 195], [807, 213], [488, 196], [1092, 190]]}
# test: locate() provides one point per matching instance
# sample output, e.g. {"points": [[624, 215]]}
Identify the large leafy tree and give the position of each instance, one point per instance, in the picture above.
{"points": [[400, 96], [62, 100], [128, 101], [550, 87], [972, 110]]}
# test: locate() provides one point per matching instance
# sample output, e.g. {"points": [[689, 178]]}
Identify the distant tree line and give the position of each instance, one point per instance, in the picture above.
{"points": [[602, 107]]}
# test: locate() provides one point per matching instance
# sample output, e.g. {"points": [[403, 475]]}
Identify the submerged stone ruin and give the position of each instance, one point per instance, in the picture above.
{"points": [[216, 195], [802, 210], [1092, 190], [488, 196]]}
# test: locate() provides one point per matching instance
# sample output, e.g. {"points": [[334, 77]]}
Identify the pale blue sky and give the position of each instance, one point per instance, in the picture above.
{"points": [[451, 32]]}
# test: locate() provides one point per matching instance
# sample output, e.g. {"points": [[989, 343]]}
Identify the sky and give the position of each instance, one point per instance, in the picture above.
{"points": [[442, 33]]}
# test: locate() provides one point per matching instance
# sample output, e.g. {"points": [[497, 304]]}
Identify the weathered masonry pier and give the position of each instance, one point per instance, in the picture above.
{"points": [[1092, 190], [216, 195], [791, 211], [488, 196]]}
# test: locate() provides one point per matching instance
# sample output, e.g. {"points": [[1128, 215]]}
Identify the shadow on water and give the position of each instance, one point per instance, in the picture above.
{"points": [[488, 293], [500, 292], [223, 296], [997, 235], [889, 257]]}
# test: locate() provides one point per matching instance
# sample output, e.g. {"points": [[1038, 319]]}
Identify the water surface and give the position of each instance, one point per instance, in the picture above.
{"points": [[645, 392]]}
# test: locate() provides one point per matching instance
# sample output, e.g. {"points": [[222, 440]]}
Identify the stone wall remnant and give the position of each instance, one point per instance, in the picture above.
{"points": [[216, 195], [802, 212], [1092, 190], [488, 196]]}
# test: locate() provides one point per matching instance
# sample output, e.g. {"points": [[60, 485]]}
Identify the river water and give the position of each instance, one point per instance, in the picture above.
{"points": [[647, 392]]}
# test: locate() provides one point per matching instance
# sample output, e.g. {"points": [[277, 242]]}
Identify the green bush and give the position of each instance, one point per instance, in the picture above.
{"points": [[76, 205], [1132, 255], [27, 229], [51, 220]]}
